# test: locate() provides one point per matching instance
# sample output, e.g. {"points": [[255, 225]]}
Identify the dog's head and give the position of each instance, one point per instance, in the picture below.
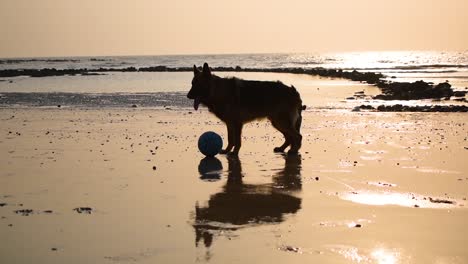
{"points": [[201, 85]]}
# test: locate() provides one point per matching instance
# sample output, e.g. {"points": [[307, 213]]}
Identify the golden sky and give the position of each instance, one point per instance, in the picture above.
{"points": [[152, 27]]}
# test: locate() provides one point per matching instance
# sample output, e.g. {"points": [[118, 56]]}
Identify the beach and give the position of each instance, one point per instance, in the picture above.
{"points": [[105, 168], [128, 185], [343, 127]]}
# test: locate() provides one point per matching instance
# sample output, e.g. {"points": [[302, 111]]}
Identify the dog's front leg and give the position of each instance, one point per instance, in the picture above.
{"points": [[230, 130], [237, 138]]}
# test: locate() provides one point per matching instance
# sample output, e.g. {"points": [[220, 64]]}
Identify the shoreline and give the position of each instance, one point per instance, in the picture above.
{"points": [[391, 96], [390, 90]]}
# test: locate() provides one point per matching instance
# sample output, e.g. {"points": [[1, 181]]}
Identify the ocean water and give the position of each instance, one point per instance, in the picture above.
{"points": [[167, 88]]}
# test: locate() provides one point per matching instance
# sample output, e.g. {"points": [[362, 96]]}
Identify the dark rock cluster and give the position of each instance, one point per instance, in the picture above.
{"points": [[419, 108], [369, 77], [414, 91]]}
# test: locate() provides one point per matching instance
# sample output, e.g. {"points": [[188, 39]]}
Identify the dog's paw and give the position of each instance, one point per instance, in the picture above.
{"points": [[224, 151], [278, 149], [233, 154], [293, 152]]}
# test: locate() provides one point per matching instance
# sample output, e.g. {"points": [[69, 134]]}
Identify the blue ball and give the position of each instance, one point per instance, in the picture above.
{"points": [[210, 143]]}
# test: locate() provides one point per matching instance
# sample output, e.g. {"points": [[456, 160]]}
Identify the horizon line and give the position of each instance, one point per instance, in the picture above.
{"points": [[227, 54]]}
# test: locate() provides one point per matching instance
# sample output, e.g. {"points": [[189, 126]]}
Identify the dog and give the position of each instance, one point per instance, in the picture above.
{"points": [[236, 102]]}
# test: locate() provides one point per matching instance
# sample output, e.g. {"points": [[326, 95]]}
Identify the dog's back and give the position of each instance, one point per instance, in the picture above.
{"points": [[262, 99]]}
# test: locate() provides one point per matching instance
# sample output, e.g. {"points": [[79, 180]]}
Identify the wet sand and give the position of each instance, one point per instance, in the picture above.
{"points": [[129, 186]]}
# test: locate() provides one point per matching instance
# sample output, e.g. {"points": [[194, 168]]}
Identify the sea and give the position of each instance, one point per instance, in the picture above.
{"points": [[168, 89]]}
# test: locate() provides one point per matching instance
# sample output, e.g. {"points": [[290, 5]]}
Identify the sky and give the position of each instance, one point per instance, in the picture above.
{"points": [[47, 28]]}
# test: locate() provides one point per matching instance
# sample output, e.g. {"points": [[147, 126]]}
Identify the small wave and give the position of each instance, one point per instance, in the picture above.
{"points": [[435, 71], [99, 59], [19, 61], [412, 67], [305, 62], [159, 99]]}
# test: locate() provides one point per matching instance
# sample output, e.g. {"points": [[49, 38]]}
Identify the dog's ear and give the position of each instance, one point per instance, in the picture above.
{"points": [[206, 69], [195, 70]]}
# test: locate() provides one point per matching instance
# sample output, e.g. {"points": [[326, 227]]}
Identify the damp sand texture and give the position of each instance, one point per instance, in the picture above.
{"points": [[128, 185]]}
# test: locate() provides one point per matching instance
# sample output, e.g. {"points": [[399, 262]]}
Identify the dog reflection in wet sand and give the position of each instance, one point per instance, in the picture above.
{"points": [[240, 205]]}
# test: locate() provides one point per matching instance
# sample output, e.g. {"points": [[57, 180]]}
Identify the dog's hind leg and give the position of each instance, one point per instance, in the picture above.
{"points": [[230, 130], [291, 124], [296, 136], [287, 141]]}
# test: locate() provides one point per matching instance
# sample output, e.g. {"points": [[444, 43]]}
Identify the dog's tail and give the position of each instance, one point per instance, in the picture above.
{"points": [[299, 118], [300, 108]]}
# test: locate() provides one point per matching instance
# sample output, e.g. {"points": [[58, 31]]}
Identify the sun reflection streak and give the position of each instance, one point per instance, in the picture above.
{"points": [[383, 256], [379, 254], [396, 198]]}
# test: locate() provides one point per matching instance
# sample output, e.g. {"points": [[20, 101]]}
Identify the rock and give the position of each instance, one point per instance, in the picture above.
{"points": [[367, 107], [459, 93], [413, 91]]}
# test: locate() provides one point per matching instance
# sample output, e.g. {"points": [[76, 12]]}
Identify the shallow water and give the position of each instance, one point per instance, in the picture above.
{"points": [[161, 89]]}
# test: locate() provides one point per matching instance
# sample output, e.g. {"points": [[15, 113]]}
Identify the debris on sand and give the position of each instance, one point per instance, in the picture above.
{"points": [[83, 210], [436, 200], [290, 249], [24, 212]]}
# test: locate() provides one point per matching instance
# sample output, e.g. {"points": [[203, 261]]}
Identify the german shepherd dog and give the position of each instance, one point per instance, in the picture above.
{"points": [[236, 102]]}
